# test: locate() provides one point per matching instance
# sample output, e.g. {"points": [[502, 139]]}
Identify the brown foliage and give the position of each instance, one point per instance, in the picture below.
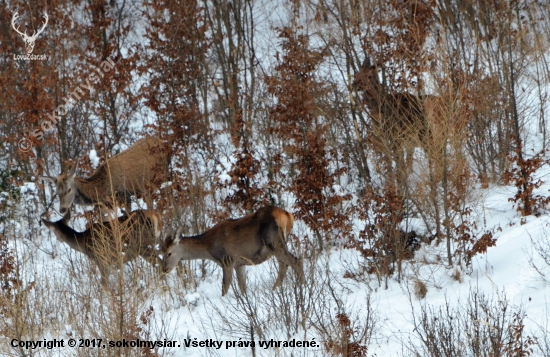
{"points": [[8, 274], [381, 241], [299, 122], [347, 346], [243, 175], [175, 63], [521, 174], [176, 52]]}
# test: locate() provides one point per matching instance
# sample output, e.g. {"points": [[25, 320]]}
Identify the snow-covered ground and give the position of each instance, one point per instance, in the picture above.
{"points": [[189, 308], [505, 272]]}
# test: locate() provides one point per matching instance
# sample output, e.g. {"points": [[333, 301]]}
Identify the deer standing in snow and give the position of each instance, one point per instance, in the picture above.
{"points": [[233, 244], [400, 121], [136, 171], [105, 243]]}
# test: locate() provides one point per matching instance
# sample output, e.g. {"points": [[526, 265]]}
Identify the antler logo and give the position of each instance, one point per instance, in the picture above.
{"points": [[29, 40]]}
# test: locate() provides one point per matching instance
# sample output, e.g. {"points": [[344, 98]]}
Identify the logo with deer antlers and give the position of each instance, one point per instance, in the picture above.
{"points": [[29, 40]]}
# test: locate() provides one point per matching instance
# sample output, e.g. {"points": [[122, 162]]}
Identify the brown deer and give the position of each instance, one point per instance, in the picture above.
{"points": [[136, 171], [138, 232], [400, 121], [233, 244]]}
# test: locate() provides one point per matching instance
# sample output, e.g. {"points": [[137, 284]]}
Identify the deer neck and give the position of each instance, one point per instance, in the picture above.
{"points": [[376, 97], [195, 247], [74, 239], [84, 189]]}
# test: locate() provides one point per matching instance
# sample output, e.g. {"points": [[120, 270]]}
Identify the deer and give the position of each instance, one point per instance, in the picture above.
{"points": [[400, 120], [29, 40], [139, 234], [233, 244], [136, 171], [397, 115]]}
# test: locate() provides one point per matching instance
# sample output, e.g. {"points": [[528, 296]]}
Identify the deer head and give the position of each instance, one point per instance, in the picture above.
{"points": [[29, 40], [172, 250], [367, 81], [66, 188]]}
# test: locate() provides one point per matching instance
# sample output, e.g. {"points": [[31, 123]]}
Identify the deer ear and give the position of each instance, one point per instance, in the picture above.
{"points": [[167, 235], [48, 178], [72, 171], [178, 235]]}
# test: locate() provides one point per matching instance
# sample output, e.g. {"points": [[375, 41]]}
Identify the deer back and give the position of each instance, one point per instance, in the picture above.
{"points": [[135, 235], [396, 116], [251, 238], [136, 171], [139, 169]]}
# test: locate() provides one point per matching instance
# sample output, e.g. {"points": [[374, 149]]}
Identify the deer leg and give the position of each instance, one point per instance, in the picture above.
{"points": [[241, 277], [281, 274], [409, 159], [284, 256], [127, 205], [227, 267]]}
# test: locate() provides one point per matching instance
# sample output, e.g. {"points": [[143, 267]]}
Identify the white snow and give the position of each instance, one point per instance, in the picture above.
{"points": [[94, 159], [224, 179], [190, 306]]}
